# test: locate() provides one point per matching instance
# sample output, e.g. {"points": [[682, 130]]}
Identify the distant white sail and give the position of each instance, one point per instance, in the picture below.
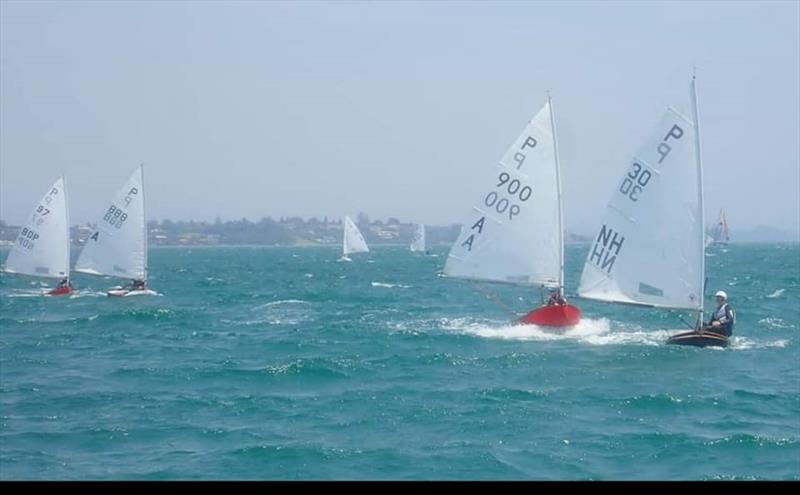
{"points": [[514, 233], [719, 233], [119, 245], [418, 242], [650, 248], [42, 246], [353, 241]]}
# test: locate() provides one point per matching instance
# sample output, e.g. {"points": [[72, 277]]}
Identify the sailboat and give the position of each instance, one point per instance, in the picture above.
{"points": [[118, 247], [650, 248], [418, 242], [515, 233], [352, 240], [42, 247], [719, 234]]}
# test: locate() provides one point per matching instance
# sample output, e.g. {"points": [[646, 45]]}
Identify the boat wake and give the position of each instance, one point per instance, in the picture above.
{"points": [[589, 331]]}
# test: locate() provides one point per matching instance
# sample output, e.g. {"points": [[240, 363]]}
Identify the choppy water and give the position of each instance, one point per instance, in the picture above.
{"points": [[281, 363]]}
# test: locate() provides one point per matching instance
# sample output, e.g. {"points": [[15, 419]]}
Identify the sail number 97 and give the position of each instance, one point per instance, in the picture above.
{"points": [[635, 181], [115, 216], [514, 188]]}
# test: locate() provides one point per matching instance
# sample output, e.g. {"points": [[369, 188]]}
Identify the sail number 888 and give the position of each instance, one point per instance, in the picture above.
{"points": [[514, 188], [115, 216]]}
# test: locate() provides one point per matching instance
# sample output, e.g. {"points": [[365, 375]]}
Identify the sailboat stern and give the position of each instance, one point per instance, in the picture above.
{"points": [[700, 339], [563, 315], [61, 291]]}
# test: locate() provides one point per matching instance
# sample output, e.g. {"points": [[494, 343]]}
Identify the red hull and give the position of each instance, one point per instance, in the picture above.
{"points": [[63, 291], [553, 316]]}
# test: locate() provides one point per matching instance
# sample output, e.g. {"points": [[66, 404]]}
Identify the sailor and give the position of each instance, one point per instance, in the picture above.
{"points": [[556, 299], [64, 283], [724, 316]]}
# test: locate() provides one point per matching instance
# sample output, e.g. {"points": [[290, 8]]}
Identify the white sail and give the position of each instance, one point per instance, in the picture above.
{"points": [[650, 248], [418, 242], [118, 247], [42, 246], [514, 233], [353, 241]]}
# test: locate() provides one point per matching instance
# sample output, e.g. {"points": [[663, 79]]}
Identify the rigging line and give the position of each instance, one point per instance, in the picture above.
{"points": [[492, 297]]}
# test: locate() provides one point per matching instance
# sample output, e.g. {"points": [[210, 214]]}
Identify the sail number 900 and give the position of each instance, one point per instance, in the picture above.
{"points": [[514, 188], [115, 216]]}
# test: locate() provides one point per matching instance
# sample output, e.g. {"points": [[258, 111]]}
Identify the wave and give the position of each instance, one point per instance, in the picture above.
{"points": [[390, 286], [278, 303], [777, 293], [283, 312], [744, 343], [589, 331], [775, 323]]}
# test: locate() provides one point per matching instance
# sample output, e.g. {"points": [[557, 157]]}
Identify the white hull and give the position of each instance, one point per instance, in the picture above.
{"points": [[119, 292]]}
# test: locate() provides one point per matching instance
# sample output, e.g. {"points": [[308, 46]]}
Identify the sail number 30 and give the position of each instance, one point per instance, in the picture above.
{"points": [[635, 181], [514, 188]]}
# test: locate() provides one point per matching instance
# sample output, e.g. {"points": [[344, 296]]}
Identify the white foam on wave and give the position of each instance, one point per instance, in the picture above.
{"points": [[744, 343], [591, 331], [283, 312], [278, 303], [87, 293], [777, 293], [390, 286], [28, 293], [775, 323]]}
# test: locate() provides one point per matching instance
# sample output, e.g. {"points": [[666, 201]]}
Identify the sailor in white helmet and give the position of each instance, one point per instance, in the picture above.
{"points": [[723, 318]]}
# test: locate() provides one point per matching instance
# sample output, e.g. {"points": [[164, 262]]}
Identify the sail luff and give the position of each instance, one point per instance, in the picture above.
{"points": [[560, 203], [66, 225], [144, 220], [700, 199]]}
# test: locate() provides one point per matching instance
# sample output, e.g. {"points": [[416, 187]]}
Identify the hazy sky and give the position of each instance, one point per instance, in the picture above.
{"points": [[251, 109]]}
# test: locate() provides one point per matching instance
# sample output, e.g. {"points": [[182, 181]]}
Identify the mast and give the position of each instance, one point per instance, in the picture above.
{"points": [[144, 218], [701, 212], [344, 237], [560, 205], [66, 214]]}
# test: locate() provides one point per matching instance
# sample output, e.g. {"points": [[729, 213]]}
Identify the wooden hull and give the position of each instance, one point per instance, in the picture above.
{"points": [[700, 339]]}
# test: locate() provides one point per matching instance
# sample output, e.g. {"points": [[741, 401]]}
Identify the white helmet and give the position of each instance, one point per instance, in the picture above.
{"points": [[721, 293]]}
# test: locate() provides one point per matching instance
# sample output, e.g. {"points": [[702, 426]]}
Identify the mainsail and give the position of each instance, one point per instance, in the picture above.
{"points": [[353, 241], [118, 247], [650, 247], [42, 247], [514, 233], [418, 242]]}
